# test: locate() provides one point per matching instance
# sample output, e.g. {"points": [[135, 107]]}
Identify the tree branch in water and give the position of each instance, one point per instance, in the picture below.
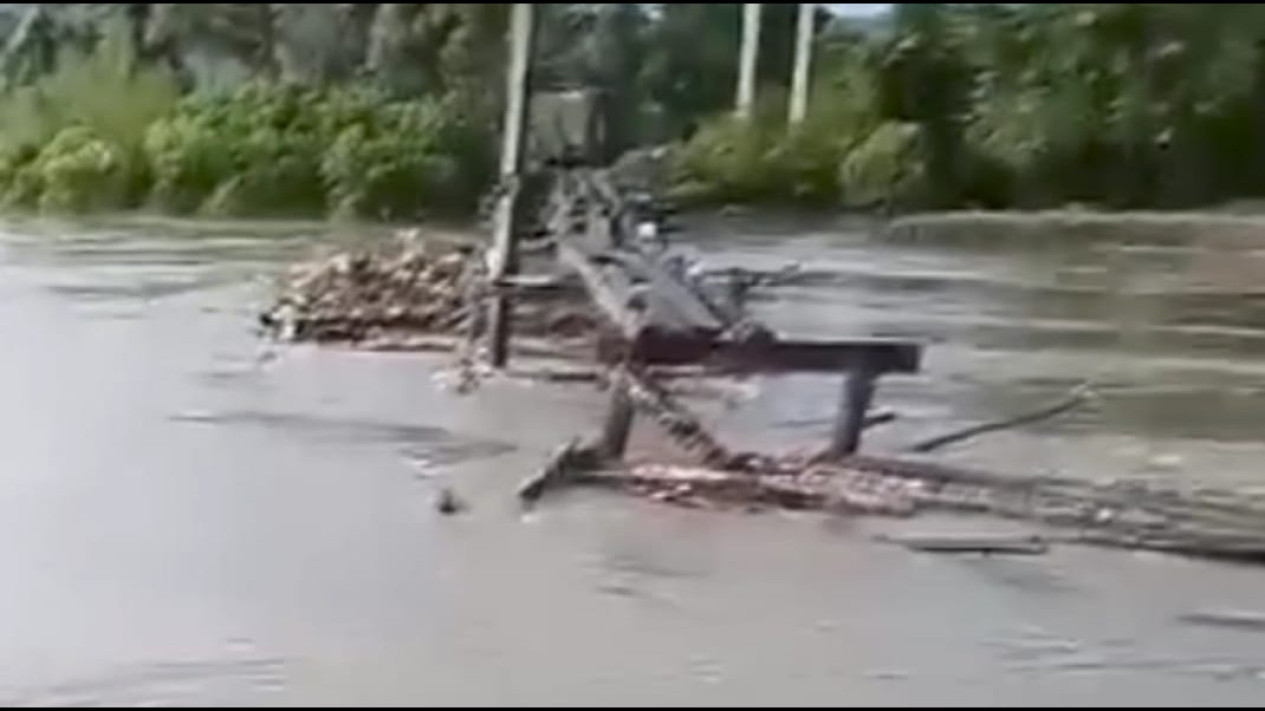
{"points": [[1078, 397]]}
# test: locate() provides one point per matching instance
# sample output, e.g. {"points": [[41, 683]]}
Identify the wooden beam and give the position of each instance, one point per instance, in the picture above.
{"points": [[656, 347], [674, 304], [609, 289]]}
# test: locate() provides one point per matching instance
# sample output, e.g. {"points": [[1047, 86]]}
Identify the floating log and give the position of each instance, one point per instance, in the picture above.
{"points": [[1233, 619], [982, 545]]}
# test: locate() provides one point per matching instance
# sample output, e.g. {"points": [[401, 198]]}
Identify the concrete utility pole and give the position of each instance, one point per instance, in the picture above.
{"points": [[522, 39], [749, 59], [803, 62]]}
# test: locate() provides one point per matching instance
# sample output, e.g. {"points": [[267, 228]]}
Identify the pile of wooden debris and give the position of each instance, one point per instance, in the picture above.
{"points": [[1196, 522], [409, 294]]}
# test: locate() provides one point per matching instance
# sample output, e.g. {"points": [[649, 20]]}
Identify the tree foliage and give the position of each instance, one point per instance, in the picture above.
{"points": [[941, 105]]}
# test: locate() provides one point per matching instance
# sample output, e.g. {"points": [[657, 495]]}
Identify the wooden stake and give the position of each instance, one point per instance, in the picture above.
{"points": [[858, 393]]}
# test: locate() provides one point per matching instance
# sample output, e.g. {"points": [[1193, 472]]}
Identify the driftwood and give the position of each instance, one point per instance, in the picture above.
{"points": [[1077, 398], [897, 488], [1233, 619], [814, 490], [877, 419], [983, 545], [677, 483]]}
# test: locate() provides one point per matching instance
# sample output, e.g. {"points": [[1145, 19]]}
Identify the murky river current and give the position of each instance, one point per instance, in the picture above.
{"points": [[190, 515]]}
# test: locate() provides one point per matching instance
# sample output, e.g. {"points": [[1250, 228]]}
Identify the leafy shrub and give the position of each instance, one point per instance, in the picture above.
{"points": [[885, 168], [267, 149], [274, 172], [80, 171], [21, 180], [415, 157], [733, 161], [723, 162], [188, 161], [103, 94]]}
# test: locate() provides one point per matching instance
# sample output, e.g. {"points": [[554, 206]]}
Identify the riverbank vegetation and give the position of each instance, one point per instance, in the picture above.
{"points": [[391, 110], [1015, 106]]}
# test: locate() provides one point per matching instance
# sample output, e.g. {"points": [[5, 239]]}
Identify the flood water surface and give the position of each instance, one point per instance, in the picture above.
{"points": [[191, 515]]}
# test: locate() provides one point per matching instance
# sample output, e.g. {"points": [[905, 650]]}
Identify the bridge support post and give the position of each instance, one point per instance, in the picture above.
{"points": [[619, 418], [858, 394], [505, 256]]}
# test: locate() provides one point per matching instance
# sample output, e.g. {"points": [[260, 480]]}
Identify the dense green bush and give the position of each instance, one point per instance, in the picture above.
{"points": [[72, 141], [765, 161], [103, 131], [726, 161], [884, 169], [398, 164], [267, 149], [188, 161], [260, 150], [80, 171]]}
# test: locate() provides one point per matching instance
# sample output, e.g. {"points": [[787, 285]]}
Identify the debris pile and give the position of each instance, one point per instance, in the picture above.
{"points": [[1110, 514], [817, 488], [410, 294]]}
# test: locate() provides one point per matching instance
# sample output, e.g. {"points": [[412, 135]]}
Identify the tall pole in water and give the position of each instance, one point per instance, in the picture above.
{"points": [[749, 59], [803, 62], [505, 249]]}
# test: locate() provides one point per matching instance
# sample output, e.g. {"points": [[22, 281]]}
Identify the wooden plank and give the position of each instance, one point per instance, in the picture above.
{"points": [[673, 303], [610, 292], [676, 303], [635, 306], [657, 347]]}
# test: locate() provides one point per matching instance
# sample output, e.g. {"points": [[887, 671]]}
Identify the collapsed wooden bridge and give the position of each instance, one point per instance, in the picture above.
{"points": [[658, 315], [661, 316]]}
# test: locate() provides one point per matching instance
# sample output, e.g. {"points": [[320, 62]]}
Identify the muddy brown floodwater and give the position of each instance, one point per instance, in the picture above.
{"points": [[189, 515]]}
